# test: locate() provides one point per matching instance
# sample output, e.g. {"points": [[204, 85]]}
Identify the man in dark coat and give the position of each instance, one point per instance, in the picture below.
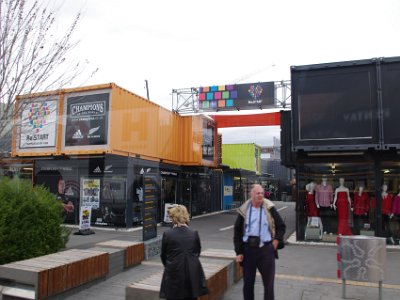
{"points": [[258, 233], [183, 276]]}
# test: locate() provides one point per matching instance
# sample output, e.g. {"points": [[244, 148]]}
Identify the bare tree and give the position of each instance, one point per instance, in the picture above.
{"points": [[33, 56]]}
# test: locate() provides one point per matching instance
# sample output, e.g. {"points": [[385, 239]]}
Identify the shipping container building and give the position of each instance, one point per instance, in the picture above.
{"points": [[123, 155]]}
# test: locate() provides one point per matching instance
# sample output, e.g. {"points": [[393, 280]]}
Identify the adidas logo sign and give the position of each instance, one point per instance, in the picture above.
{"points": [[97, 170], [78, 135]]}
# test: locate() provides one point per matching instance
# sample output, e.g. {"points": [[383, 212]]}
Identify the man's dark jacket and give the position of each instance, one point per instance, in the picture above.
{"points": [[276, 225]]}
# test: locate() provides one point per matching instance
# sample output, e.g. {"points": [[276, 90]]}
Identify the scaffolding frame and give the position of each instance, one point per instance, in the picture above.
{"points": [[186, 100]]}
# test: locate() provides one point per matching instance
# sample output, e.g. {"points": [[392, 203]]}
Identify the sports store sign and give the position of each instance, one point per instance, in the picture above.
{"points": [[87, 120]]}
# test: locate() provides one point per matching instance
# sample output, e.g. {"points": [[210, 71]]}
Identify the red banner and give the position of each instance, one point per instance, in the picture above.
{"points": [[268, 119]]}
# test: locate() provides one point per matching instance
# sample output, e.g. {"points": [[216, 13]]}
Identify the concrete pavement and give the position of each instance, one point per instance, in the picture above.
{"points": [[303, 271]]}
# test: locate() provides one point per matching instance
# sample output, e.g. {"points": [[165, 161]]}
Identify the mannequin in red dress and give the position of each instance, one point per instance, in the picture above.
{"points": [[311, 206], [342, 202], [386, 201], [360, 208]]}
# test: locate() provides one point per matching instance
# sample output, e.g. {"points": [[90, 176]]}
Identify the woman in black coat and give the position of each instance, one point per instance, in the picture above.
{"points": [[183, 276]]}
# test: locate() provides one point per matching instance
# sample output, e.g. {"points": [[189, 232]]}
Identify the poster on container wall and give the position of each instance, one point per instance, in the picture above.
{"points": [[38, 124], [87, 120], [208, 140]]}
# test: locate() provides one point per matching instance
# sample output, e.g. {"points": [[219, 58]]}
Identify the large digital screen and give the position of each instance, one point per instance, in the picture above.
{"points": [[236, 96], [335, 107]]}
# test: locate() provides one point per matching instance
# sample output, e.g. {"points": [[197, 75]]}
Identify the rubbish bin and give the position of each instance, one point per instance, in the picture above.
{"points": [[361, 258]]}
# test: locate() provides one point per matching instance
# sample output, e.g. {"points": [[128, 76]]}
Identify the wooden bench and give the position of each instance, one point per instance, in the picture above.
{"points": [[133, 251], [235, 271], [49, 275], [216, 272]]}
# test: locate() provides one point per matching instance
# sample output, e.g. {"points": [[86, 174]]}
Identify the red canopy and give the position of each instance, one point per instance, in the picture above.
{"points": [[268, 119]]}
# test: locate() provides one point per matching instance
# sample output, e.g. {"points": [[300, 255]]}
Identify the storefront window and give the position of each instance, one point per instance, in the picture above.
{"points": [[336, 198]]}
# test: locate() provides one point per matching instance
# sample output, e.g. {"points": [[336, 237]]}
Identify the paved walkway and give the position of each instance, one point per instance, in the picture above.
{"points": [[293, 287], [304, 272], [293, 280]]}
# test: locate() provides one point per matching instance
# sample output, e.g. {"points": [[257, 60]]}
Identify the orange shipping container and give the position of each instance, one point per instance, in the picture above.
{"points": [[109, 119]]}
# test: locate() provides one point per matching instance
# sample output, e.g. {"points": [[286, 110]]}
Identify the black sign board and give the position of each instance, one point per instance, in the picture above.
{"points": [[87, 120], [150, 202], [335, 106]]}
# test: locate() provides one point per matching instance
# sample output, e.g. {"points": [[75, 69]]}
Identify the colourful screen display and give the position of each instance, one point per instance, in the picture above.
{"points": [[236, 96]]}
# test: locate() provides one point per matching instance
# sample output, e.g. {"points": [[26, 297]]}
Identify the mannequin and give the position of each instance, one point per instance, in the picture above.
{"points": [[311, 205], [324, 193], [323, 199], [386, 210], [396, 204], [360, 207], [342, 202], [396, 212], [361, 201], [386, 201]]}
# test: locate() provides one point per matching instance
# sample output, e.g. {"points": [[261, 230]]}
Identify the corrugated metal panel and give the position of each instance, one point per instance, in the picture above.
{"points": [[190, 145], [134, 123]]}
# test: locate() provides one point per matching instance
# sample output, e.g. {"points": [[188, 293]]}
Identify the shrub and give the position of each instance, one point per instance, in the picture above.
{"points": [[30, 221]]}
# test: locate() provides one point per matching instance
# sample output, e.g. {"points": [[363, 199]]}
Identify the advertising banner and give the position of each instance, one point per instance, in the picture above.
{"points": [[90, 192], [38, 124], [208, 140], [237, 96], [84, 218], [87, 120]]}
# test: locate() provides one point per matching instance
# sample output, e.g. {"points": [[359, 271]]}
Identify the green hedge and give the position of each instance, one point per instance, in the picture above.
{"points": [[30, 221]]}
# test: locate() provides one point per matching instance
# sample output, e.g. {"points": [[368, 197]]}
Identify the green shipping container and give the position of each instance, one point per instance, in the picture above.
{"points": [[242, 156]]}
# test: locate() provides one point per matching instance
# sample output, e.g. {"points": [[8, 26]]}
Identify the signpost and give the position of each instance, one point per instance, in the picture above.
{"points": [[150, 198]]}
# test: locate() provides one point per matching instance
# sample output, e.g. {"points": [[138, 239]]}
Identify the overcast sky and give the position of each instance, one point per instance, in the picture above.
{"points": [[182, 43]]}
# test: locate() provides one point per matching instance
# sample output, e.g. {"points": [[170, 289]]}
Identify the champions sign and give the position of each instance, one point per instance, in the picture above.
{"points": [[87, 120], [88, 109], [38, 124]]}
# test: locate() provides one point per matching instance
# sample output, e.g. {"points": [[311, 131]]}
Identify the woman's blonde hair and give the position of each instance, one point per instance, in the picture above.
{"points": [[179, 215]]}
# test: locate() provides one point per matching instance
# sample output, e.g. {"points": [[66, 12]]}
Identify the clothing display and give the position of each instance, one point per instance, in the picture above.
{"points": [[310, 206], [396, 205], [342, 205], [387, 204], [360, 204], [324, 195]]}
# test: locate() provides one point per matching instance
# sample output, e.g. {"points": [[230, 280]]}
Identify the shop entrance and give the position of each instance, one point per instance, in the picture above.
{"points": [[168, 194]]}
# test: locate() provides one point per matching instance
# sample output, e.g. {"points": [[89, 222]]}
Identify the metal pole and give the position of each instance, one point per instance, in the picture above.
{"points": [[344, 288], [378, 198], [147, 89], [380, 290]]}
